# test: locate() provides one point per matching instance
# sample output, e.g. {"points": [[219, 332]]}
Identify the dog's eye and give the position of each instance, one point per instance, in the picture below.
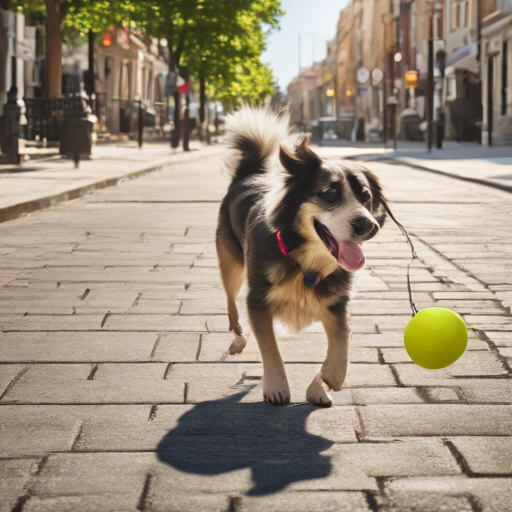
{"points": [[331, 194], [366, 196]]}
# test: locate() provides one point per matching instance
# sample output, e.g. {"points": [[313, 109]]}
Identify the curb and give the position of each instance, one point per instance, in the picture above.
{"points": [[16, 210], [397, 161]]}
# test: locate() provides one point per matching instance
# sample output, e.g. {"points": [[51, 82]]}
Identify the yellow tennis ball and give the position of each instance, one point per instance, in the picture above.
{"points": [[435, 338]]}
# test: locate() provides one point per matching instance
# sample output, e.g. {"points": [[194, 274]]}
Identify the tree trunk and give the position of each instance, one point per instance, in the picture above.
{"points": [[90, 88], [53, 64], [175, 138], [202, 105], [186, 127]]}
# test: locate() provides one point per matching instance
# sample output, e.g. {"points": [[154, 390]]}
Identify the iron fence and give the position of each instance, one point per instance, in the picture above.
{"points": [[117, 118], [46, 117]]}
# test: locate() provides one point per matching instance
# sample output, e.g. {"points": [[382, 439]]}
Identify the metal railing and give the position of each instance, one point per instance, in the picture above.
{"points": [[45, 118], [117, 118]]}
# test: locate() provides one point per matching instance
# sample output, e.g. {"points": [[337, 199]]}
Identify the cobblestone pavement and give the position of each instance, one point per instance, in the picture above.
{"points": [[117, 392]]}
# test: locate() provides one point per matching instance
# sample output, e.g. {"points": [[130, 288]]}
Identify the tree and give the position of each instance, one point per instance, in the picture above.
{"points": [[217, 41], [53, 61], [227, 47]]}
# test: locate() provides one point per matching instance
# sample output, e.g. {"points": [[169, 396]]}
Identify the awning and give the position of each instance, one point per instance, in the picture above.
{"points": [[462, 58], [461, 53]]}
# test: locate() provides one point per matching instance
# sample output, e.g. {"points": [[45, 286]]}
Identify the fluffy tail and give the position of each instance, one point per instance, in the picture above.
{"points": [[253, 135]]}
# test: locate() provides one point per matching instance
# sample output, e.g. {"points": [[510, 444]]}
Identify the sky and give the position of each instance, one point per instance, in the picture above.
{"points": [[303, 17]]}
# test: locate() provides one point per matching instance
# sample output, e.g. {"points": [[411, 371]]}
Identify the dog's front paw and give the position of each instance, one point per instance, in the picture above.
{"points": [[334, 374], [238, 345], [276, 390], [317, 394], [235, 326]]}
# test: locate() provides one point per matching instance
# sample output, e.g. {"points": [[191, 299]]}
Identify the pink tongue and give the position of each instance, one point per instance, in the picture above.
{"points": [[351, 256]]}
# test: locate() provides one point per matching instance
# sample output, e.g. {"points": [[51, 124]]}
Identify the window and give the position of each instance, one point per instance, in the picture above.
{"points": [[466, 14], [460, 14], [455, 16]]}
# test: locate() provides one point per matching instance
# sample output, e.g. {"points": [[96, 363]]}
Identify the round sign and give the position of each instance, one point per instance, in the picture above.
{"points": [[377, 75], [363, 75]]}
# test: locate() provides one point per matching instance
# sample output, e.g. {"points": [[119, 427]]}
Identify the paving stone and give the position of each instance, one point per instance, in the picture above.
{"points": [[215, 306], [90, 503], [61, 384], [488, 319], [35, 430], [14, 477], [486, 455], [471, 364], [33, 307], [506, 352], [7, 373], [301, 375], [154, 307], [84, 474], [366, 396], [464, 307], [76, 346], [500, 338], [52, 323], [388, 459], [387, 339], [443, 395], [158, 323], [458, 296], [208, 381], [305, 502], [486, 390], [161, 501], [426, 502], [127, 427], [177, 347], [294, 348], [360, 324], [492, 495], [436, 420], [340, 467]]}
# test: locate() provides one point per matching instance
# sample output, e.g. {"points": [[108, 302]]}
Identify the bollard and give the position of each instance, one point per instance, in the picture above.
{"points": [[440, 130]]}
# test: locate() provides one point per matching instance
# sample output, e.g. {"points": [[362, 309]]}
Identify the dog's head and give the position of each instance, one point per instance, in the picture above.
{"points": [[325, 211]]}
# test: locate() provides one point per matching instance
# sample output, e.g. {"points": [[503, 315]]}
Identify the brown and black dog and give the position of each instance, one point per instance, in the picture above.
{"points": [[294, 224]]}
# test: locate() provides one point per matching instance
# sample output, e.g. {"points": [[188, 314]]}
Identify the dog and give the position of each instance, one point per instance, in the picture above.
{"points": [[292, 223]]}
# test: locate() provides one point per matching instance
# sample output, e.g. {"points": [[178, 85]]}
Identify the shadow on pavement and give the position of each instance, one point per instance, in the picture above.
{"points": [[222, 436]]}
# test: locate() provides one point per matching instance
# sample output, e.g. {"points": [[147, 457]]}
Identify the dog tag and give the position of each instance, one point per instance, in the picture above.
{"points": [[311, 279]]}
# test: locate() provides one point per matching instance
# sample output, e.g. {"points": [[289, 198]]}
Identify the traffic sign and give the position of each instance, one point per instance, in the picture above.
{"points": [[363, 75], [377, 76]]}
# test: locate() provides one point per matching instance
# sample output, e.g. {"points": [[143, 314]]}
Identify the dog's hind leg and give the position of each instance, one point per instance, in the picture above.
{"points": [[337, 326], [232, 271]]}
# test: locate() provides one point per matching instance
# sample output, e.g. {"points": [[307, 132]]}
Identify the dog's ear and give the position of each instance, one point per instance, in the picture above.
{"points": [[377, 207], [301, 160]]}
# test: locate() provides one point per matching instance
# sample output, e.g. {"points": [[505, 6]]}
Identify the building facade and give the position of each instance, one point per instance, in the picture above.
{"points": [[378, 41]]}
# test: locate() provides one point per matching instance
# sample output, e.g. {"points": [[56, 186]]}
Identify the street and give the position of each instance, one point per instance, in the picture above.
{"points": [[117, 391]]}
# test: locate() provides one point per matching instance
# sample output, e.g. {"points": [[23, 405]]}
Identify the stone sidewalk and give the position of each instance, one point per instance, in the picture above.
{"points": [[42, 183], [472, 162], [117, 393]]}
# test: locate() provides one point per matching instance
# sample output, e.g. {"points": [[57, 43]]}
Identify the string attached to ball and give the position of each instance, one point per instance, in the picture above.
{"points": [[435, 337]]}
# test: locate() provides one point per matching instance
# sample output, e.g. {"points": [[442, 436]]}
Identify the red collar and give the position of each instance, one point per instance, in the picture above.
{"points": [[281, 243]]}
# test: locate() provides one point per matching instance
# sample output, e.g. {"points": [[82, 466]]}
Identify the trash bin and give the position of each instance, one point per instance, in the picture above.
{"points": [[76, 139]]}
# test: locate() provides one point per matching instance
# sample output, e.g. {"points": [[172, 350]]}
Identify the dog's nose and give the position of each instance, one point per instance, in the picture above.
{"points": [[363, 226]]}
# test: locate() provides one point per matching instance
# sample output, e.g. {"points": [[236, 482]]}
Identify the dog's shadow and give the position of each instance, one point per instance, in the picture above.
{"points": [[224, 435]]}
